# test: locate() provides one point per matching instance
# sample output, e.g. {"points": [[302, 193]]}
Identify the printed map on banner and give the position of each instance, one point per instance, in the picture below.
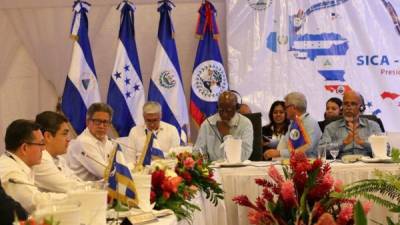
{"points": [[321, 48]]}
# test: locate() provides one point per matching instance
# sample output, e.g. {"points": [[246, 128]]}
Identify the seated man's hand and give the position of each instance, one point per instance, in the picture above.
{"points": [[349, 138], [271, 153], [223, 127]]}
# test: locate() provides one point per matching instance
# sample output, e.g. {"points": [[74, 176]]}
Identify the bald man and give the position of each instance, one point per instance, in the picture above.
{"points": [[351, 132], [226, 123]]}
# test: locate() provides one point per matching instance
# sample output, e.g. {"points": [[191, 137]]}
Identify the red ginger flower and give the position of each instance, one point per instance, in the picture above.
{"points": [[244, 201], [322, 188], [345, 215], [338, 185], [367, 206], [255, 217], [317, 210], [288, 193], [275, 175]]}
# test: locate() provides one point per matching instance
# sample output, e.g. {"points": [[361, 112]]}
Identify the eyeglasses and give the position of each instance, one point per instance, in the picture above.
{"points": [[152, 120], [99, 122], [37, 144]]}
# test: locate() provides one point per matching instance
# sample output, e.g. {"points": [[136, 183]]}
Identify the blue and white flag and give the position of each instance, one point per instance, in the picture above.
{"points": [[126, 93], [81, 87], [208, 78], [151, 149], [166, 81], [119, 178]]}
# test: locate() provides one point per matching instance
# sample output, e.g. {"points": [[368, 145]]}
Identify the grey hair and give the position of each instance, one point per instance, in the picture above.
{"points": [[298, 100], [151, 107], [98, 107]]}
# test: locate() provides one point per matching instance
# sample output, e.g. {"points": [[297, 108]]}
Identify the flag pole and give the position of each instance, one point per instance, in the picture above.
{"points": [[58, 110]]}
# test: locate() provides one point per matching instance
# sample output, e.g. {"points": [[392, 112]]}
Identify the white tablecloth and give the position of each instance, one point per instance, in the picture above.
{"points": [[238, 181]]}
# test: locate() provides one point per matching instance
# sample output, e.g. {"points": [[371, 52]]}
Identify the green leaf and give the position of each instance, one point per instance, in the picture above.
{"points": [[359, 215], [389, 221], [395, 209], [395, 154]]}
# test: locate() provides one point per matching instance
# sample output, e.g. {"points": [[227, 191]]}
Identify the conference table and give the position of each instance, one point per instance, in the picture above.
{"points": [[240, 180]]}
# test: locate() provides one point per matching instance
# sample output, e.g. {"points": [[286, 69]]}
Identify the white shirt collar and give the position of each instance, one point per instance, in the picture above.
{"points": [[19, 161], [233, 122], [94, 139]]}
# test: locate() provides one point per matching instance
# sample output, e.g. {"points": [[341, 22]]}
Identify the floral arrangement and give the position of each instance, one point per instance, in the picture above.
{"points": [[383, 190], [304, 195], [196, 171], [175, 182], [32, 221], [168, 191]]}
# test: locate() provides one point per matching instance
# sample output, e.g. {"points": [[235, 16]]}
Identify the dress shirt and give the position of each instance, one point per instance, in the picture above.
{"points": [[167, 137], [337, 131], [312, 128], [53, 175], [210, 140], [86, 167], [11, 166]]}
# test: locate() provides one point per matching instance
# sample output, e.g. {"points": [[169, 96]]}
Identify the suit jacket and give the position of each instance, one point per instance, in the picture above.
{"points": [[7, 208]]}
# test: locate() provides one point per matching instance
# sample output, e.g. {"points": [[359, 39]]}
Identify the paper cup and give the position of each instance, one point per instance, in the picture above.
{"points": [[143, 189], [233, 150], [67, 212], [93, 206]]}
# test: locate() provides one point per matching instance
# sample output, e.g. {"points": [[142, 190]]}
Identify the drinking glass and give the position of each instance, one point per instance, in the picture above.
{"points": [[322, 151], [334, 150]]}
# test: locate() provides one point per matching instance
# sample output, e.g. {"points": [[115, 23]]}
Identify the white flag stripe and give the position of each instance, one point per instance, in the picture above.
{"points": [[163, 63], [136, 101], [80, 73]]}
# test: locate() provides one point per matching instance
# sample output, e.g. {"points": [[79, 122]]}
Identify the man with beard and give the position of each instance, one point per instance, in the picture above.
{"points": [[351, 132]]}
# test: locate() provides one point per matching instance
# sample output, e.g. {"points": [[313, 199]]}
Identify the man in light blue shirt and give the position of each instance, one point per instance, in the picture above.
{"points": [[227, 123], [351, 132], [296, 106]]}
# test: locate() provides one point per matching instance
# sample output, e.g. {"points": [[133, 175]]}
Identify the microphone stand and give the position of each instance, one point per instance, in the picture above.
{"points": [[89, 157], [14, 181]]}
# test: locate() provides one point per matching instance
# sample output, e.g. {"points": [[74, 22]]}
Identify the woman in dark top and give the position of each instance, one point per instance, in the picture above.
{"points": [[277, 127], [333, 109]]}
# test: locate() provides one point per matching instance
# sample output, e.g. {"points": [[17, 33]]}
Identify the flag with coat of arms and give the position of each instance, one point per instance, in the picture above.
{"points": [[166, 85], [81, 87], [208, 78], [125, 92], [298, 136], [121, 186]]}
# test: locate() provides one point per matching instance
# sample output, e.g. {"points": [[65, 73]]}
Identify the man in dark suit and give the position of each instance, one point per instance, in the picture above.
{"points": [[9, 208]]}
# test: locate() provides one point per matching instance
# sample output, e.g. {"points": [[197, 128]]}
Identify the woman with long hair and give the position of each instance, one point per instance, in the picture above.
{"points": [[277, 126]]}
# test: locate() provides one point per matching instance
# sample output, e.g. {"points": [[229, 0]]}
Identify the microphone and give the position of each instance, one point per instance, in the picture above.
{"points": [[120, 143], [88, 156], [14, 181]]}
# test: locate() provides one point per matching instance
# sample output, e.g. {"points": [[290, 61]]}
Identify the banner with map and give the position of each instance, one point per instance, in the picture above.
{"points": [[320, 48]]}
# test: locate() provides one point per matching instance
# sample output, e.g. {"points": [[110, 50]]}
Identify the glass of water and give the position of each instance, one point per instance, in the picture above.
{"points": [[322, 151], [334, 150]]}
